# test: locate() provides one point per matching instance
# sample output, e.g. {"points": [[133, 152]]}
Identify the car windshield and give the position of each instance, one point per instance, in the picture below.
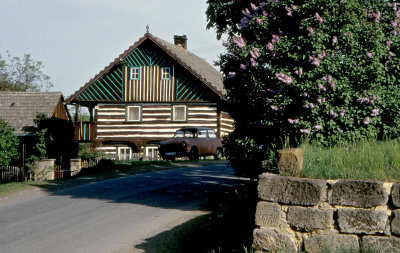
{"points": [[181, 134]]}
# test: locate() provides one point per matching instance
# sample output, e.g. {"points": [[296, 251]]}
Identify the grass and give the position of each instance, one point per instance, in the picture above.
{"points": [[365, 160]]}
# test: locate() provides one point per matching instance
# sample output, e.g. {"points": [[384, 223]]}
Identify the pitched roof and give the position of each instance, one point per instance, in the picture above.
{"points": [[194, 64], [19, 108]]}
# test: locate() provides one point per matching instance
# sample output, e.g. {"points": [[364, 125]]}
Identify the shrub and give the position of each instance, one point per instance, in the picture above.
{"points": [[324, 69], [8, 143]]}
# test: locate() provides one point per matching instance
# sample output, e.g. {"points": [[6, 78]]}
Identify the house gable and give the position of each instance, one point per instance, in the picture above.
{"points": [[149, 56]]}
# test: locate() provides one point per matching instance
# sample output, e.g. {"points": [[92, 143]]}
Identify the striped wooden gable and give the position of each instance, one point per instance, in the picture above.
{"points": [[108, 87]]}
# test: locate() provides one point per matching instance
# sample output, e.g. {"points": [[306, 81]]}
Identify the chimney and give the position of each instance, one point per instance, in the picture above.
{"points": [[180, 41]]}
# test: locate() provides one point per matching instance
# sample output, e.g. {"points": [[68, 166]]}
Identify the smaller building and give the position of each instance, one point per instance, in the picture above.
{"points": [[20, 108]]}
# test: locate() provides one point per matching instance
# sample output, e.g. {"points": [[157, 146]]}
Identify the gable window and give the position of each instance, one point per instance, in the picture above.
{"points": [[135, 73], [134, 113], [179, 112], [165, 73]]}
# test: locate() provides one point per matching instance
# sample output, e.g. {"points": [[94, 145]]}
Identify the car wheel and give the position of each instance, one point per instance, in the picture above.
{"points": [[194, 154], [218, 154]]}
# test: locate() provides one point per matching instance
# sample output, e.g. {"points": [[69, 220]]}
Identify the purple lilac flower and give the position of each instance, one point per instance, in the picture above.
{"points": [[363, 100], [334, 39], [244, 23], [247, 13], [369, 54], [305, 130], [391, 54], [311, 30], [224, 43], [275, 108], [294, 7], [255, 53], [347, 34], [341, 113], [388, 43], [321, 87], [398, 13], [275, 38], [258, 21], [231, 74], [374, 112], [270, 46], [321, 100], [260, 147], [242, 66], [377, 16], [319, 18], [394, 32], [333, 114], [272, 91], [315, 61], [305, 94], [283, 78], [253, 6], [366, 120], [394, 23], [264, 13], [299, 72], [288, 11], [253, 62], [322, 55], [317, 127], [309, 106], [239, 42]]}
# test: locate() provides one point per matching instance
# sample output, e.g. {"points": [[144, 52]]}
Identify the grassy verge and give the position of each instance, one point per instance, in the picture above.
{"points": [[225, 229], [365, 160]]}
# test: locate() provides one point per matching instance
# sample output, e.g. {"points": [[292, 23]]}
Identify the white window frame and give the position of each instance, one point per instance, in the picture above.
{"points": [[165, 73], [127, 113], [124, 148], [135, 73], [174, 114]]}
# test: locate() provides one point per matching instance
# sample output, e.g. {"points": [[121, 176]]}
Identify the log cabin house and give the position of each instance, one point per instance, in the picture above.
{"points": [[146, 94]]}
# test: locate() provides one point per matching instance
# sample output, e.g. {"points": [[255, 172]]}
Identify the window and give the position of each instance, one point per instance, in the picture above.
{"points": [[202, 134], [179, 113], [124, 153], [135, 73], [165, 73], [211, 134], [134, 113]]}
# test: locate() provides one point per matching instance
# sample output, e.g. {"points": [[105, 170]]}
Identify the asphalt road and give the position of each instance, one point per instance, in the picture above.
{"points": [[114, 215]]}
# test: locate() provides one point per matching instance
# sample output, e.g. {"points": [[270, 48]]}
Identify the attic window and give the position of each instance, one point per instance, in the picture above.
{"points": [[135, 73], [165, 73]]}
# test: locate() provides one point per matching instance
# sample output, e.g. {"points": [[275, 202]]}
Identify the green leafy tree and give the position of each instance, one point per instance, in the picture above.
{"points": [[21, 74], [8, 143], [325, 70]]}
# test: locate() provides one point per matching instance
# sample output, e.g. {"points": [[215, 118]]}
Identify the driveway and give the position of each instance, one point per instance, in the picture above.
{"points": [[112, 215]]}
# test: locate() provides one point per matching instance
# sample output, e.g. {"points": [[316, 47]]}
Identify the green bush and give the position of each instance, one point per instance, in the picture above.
{"points": [[8, 143], [327, 70]]}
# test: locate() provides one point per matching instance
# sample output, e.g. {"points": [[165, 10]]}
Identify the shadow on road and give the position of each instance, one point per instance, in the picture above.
{"points": [[186, 188]]}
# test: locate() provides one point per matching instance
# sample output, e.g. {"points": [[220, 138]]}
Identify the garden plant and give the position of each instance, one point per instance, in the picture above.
{"points": [[325, 70]]}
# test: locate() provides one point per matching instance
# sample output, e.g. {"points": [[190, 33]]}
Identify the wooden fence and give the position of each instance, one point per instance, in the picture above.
{"points": [[11, 174]]}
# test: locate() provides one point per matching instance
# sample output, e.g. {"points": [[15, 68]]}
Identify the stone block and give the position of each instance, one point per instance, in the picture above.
{"points": [[290, 161], [291, 190], [358, 193], [361, 221], [381, 244], [309, 219], [268, 215], [331, 243], [273, 241], [395, 195], [44, 169], [395, 225]]}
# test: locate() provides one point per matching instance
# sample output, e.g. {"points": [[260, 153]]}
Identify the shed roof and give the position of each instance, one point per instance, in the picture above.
{"points": [[19, 108], [198, 66]]}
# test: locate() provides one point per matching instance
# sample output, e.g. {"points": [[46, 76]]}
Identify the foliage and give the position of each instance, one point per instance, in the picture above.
{"points": [[21, 74], [85, 152], [327, 70], [363, 160], [8, 143]]}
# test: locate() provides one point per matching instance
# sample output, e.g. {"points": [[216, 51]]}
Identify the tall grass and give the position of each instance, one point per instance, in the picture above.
{"points": [[364, 160]]}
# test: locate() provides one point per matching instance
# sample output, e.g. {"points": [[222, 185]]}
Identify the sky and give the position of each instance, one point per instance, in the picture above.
{"points": [[76, 39]]}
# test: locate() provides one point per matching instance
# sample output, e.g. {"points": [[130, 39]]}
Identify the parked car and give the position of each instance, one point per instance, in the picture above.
{"points": [[192, 142]]}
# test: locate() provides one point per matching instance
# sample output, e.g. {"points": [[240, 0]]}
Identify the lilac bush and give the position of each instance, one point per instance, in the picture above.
{"points": [[325, 70]]}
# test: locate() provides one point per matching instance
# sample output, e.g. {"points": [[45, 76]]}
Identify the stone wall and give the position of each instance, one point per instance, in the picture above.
{"points": [[310, 215]]}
